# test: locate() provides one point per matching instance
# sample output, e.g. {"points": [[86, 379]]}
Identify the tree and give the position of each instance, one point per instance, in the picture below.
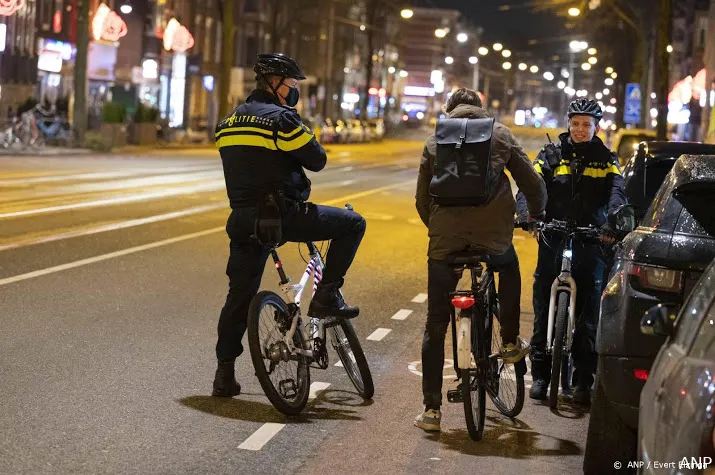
{"points": [[228, 44], [80, 71]]}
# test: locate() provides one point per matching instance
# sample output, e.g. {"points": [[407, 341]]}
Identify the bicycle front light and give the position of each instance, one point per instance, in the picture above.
{"points": [[568, 253]]}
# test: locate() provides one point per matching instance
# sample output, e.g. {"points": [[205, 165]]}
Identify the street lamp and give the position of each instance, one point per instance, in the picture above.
{"points": [[473, 60], [599, 96], [593, 60], [483, 50], [614, 75], [573, 11], [585, 66], [506, 65], [462, 37], [534, 69], [609, 70], [609, 82], [407, 13], [449, 60], [506, 53], [497, 46], [440, 32], [561, 84], [669, 48], [404, 74], [126, 9], [548, 76], [391, 70], [606, 91], [578, 46], [523, 66], [592, 51], [363, 27]]}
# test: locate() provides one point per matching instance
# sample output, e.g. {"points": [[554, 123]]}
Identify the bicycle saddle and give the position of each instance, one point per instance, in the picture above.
{"points": [[469, 257]]}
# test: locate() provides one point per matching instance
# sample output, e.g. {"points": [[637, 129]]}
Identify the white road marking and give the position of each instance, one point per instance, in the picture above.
{"points": [[402, 314], [104, 175], [377, 216], [347, 182], [420, 298], [261, 437], [363, 193], [339, 364], [112, 226], [111, 255], [120, 200], [379, 334], [412, 366], [315, 388]]}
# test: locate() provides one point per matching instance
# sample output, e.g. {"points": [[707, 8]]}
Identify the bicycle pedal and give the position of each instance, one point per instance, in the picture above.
{"points": [[455, 395], [331, 322], [288, 388]]}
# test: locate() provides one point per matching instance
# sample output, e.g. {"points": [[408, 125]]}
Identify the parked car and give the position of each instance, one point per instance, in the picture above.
{"points": [[677, 416], [376, 129], [626, 141], [356, 131], [327, 132], [648, 166], [659, 262]]}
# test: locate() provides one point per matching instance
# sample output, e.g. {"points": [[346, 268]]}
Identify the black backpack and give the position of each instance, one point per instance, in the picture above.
{"points": [[462, 168]]}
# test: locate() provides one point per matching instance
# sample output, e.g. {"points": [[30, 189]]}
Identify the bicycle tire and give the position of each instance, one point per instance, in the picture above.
{"points": [[474, 393], [507, 373], [559, 343], [356, 366], [292, 406]]}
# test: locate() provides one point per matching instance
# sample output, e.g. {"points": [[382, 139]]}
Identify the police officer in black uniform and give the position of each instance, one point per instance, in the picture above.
{"points": [[264, 148], [584, 184]]}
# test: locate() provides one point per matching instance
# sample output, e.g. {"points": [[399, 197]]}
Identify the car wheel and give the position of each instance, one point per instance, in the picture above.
{"points": [[609, 439]]}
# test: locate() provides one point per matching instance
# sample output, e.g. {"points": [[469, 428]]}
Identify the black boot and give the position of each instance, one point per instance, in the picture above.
{"points": [[225, 384], [538, 389], [327, 302]]}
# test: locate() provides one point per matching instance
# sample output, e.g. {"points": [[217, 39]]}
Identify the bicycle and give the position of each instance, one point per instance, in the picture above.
{"points": [[476, 343], [290, 342], [562, 307]]}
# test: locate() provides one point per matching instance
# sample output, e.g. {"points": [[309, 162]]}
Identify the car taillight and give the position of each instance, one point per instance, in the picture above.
{"points": [[657, 278], [641, 374], [463, 302]]}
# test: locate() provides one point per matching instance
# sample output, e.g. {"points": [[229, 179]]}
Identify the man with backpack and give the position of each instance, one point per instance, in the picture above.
{"points": [[465, 199]]}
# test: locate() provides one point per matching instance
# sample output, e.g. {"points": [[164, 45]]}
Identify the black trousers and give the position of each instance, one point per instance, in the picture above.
{"points": [[588, 267], [305, 222], [441, 280]]}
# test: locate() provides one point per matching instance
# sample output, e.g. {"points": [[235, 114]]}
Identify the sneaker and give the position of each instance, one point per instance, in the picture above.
{"points": [[327, 302], [512, 353], [582, 396], [538, 390], [429, 420]]}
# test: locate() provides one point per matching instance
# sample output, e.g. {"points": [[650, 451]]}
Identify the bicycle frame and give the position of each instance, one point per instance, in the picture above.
{"points": [[563, 283]]}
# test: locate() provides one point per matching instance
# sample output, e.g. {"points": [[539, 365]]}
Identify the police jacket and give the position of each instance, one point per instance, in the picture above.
{"points": [[583, 182], [264, 147]]}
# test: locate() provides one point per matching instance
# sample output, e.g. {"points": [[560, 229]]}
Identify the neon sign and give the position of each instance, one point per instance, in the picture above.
{"points": [[107, 25], [9, 7]]}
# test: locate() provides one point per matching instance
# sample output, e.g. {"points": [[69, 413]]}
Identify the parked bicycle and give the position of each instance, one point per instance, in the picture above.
{"points": [[477, 343], [284, 347]]}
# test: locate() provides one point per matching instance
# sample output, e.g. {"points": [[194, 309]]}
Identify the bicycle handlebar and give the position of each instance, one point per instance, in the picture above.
{"points": [[558, 226]]}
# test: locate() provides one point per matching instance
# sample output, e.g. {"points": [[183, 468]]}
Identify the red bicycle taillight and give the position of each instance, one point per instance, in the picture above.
{"points": [[641, 374], [463, 302]]}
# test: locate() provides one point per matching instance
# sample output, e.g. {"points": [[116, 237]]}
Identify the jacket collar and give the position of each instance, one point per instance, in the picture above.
{"points": [[261, 95]]}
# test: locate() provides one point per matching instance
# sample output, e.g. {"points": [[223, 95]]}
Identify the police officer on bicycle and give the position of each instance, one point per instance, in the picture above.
{"points": [[584, 185], [265, 148]]}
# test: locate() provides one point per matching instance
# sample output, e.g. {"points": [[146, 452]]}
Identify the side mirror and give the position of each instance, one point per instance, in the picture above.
{"points": [[623, 219], [659, 321]]}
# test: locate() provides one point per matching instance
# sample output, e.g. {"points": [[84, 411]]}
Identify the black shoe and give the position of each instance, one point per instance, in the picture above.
{"points": [[582, 396], [225, 384], [327, 302], [538, 389]]}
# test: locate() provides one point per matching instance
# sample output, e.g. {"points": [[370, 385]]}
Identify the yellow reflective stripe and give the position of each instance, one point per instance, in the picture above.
{"points": [[294, 143], [537, 167], [614, 169], [288, 134], [601, 172], [562, 170], [243, 129], [246, 140]]}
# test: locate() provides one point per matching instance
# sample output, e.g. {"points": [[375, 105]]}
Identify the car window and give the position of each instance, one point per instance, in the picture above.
{"points": [[698, 215], [655, 174], [629, 143], [698, 304], [664, 210]]}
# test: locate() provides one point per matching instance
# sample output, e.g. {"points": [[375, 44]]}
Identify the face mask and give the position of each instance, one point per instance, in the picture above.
{"points": [[293, 96]]}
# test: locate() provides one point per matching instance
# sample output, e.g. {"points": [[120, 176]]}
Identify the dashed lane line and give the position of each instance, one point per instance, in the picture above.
{"points": [[261, 437], [402, 314], [420, 298], [315, 388], [379, 334]]}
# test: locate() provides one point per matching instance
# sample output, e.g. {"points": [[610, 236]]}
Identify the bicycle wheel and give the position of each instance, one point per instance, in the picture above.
{"points": [[562, 311], [284, 377], [347, 345], [473, 389], [508, 378]]}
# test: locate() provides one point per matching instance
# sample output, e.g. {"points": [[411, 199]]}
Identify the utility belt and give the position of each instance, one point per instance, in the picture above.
{"points": [[268, 224]]}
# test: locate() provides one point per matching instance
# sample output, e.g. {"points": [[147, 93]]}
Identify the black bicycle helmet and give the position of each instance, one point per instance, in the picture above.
{"points": [[277, 64], [585, 107]]}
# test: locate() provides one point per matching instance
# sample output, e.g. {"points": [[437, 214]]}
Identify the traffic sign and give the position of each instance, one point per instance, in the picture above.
{"points": [[632, 104]]}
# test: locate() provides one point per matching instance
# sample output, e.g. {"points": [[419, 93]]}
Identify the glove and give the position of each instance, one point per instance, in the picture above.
{"points": [[607, 234]]}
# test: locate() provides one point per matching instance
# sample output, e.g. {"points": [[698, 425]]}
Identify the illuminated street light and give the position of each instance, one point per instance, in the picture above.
{"points": [[497, 47], [593, 60], [449, 60], [609, 70], [599, 96], [653, 95], [126, 9], [614, 75], [606, 92], [391, 70], [473, 60], [578, 46], [506, 53], [483, 50], [561, 84], [462, 37], [609, 82], [669, 49], [407, 13], [548, 76], [585, 66], [440, 33], [573, 11], [534, 69], [565, 73], [592, 51], [404, 74], [523, 66], [506, 65], [363, 27]]}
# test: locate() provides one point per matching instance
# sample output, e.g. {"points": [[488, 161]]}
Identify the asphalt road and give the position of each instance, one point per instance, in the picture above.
{"points": [[111, 283]]}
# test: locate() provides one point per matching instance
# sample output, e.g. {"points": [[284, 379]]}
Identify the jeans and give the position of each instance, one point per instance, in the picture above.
{"points": [[441, 280], [588, 267], [303, 222]]}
